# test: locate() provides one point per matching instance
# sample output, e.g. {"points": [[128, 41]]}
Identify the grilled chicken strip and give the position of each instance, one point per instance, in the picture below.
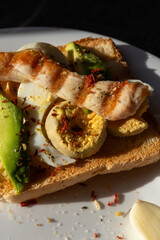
{"points": [[109, 99]]}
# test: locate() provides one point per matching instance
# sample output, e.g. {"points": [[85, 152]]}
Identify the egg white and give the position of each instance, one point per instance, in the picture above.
{"points": [[34, 102]]}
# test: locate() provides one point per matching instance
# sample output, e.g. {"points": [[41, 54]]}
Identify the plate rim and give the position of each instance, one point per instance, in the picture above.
{"points": [[24, 29]]}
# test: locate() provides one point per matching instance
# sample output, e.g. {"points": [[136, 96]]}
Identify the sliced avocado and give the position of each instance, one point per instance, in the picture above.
{"points": [[84, 62], [13, 143]]}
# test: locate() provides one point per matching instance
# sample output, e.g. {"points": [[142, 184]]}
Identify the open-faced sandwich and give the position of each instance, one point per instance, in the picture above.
{"points": [[68, 114]]}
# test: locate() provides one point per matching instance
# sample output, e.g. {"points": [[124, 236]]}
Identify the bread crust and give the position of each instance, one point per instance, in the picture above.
{"points": [[117, 154]]}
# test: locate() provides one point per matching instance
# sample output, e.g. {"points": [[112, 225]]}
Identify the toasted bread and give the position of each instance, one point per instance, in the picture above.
{"points": [[117, 154]]}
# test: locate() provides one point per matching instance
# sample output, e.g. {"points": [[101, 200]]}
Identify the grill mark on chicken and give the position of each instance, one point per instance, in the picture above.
{"points": [[84, 91], [51, 75], [111, 98], [5, 63], [34, 66]]}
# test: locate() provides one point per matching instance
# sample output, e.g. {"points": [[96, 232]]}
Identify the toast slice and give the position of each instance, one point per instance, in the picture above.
{"points": [[117, 154]]}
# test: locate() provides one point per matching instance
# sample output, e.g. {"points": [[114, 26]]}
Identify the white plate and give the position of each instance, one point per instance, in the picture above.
{"points": [[65, 208]]}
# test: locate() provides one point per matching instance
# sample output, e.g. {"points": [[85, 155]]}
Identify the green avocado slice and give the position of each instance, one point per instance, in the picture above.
{"points": [[13, 143], [84, 62]]}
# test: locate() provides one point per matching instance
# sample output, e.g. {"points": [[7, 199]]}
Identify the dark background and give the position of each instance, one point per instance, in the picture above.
{"points": [[135, 22]]}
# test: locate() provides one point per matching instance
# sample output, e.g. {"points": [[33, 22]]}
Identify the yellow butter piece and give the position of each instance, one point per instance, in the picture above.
{"points": [[118, 213]]}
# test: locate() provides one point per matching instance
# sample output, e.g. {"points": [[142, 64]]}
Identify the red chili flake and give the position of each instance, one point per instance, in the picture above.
{"points": [[42, 150], [52, 173], [115, 198], [2, 108], [54, 114], [95, 196], [57, 168], [21, 138], [29, 105], [33, 119], [100, 77], [91, 92], [23, 130], [5, 100], [96, 70], [90, 80], [65, 125], [38, 122], [78, 133], [29, 202], [109, 204], [57, 103], [44, 144], [95, 235], [34, 107], [120, 237]]}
